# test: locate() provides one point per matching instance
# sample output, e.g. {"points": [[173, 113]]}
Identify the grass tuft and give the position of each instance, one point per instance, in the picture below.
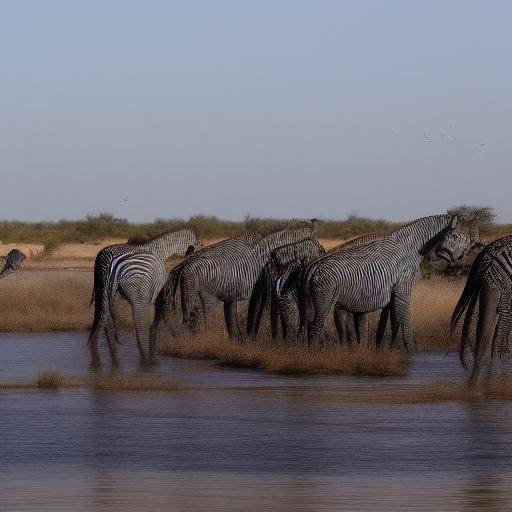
{"points": [[50, 381], [290, 359]]}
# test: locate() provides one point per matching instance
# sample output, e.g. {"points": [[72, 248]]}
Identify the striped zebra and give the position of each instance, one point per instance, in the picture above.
{"points": [[135, 271], [13, 261], [368, 277], [489, 284], [274, 289], [230, 274], [165, 303], [289, 272]]}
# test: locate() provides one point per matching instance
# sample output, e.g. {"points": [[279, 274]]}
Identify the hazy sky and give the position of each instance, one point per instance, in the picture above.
{"points": [[144, 108]]}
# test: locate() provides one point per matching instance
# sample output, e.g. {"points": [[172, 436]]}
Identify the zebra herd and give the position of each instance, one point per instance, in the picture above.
{"points": [[289, 273]]}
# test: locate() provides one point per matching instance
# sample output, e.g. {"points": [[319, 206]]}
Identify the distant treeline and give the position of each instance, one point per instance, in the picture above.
{"points": [[105, 225]]}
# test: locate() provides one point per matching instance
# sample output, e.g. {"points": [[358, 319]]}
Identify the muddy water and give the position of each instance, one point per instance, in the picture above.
{"points": [[242, 440]]}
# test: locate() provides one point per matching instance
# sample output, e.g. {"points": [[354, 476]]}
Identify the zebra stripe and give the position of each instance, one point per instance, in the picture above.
{"points": [[367, 277], [13, 262], [114, 267], [489, 284], [231, 273]]}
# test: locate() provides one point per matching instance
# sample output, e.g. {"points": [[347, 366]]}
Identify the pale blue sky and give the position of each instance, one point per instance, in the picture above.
{"points": [[393, 109]]}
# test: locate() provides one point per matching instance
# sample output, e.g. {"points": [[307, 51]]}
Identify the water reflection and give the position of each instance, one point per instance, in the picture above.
{"points": [[264, 442]]}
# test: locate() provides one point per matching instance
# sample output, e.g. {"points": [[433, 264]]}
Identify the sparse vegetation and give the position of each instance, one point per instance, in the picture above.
{"points": [[50, 381], [290, 359], [106, 226], [51, 300]]}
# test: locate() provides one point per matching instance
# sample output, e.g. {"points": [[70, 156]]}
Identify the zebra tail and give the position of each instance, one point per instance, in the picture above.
{"points": [[470, 289], [172, 283]]}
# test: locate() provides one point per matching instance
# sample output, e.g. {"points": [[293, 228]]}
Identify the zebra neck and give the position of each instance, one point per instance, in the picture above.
{"points": [[420, 236], [163, 247]]}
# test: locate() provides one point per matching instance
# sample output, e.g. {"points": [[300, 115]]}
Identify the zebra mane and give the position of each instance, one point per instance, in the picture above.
{"points": [[422, 234], [143, 241]]}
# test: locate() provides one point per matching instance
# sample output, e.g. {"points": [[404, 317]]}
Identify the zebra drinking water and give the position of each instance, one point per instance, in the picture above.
{"points": [[137, 271], [489, 284]]}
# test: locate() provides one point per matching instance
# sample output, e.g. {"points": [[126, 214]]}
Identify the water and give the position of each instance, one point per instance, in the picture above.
{"points": [[242, 440]]}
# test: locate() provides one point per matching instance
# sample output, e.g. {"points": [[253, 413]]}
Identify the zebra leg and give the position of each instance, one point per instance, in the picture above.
{"points": [[140, 312], [315, 329], [113, 341], [259, 314], [340, 322], [361, 327], [209, 303], [288, 304], [395, 324], [231, 320], [466, 326], [403, 311], [381, 328], [93, 345], [485, 327], [188, 301]]}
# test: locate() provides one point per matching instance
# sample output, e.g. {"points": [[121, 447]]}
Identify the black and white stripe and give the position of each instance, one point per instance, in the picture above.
{"points": [[488, 285], [13, 262], [229, 273], [115, 266], [368, 277]]}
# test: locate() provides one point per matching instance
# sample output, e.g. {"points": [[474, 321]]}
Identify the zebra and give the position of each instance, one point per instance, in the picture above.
{"points": [[284, 263], [230, 274], [135, 270], [165, 302], [490, 284], [13, 262], [288, 289], [368, 277]]}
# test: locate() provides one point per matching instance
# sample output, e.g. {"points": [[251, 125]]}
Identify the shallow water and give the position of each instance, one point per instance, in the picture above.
{"points": [[242, 440]]}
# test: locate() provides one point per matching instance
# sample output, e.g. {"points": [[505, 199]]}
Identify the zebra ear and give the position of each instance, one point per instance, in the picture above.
{"points": [[190, 250], [453, 223]]}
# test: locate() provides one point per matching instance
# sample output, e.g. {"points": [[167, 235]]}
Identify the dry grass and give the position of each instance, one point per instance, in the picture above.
{"points": [[53, 381], [432, 306], [290, 359], [48, 301], [50, 380], [58, 300]]}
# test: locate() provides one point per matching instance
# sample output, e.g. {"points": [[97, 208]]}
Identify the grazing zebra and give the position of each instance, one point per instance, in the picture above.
{"points": [[490, 284], [13, 262], [230, 274], [368, 277], [274, 287], [165, 302], [456, 245], [143, 264]]}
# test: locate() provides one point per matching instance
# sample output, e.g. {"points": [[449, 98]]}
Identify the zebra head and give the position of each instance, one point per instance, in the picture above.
{"points": [[455, 244]]}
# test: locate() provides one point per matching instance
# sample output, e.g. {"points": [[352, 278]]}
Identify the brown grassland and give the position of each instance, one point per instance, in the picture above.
{"points": [[58, 300]]}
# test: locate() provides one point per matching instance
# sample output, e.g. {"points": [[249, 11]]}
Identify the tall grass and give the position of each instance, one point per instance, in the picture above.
{"points": [[53, 300]]}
